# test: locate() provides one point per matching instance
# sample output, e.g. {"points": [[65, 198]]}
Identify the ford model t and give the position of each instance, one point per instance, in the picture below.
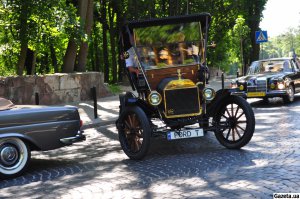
{"points": [[173, 98]]}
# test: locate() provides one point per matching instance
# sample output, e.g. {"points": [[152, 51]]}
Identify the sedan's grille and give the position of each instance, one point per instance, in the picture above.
{"points": [[182, 102], [260, 85]]}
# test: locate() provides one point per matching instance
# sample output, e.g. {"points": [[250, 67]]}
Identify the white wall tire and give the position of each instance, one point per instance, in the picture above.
{"points": [[14, 156]]}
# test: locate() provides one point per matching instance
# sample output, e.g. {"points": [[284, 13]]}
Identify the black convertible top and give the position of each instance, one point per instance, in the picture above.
{"points": [[202, 17]]}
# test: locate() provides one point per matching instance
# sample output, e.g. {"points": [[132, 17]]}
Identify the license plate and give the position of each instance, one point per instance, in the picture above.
{"points": [[190, 133], [256, 94]]}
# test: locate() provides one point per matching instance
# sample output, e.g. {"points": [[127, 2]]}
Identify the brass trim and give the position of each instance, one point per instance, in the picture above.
{"points": [[182, 115], [213, 94], [160, 98], [179, 84]]}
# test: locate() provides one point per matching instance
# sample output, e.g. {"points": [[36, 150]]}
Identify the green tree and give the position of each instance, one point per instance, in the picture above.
{"points": [[241, 31]]}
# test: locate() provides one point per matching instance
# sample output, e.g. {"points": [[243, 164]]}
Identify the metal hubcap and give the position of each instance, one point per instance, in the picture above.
{"points": [[232, 121], [291, 93], [9, 155]]}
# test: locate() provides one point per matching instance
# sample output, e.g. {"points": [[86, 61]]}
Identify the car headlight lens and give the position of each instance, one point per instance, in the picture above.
{"points": [[280, 85], [241, 87], [272, 86], [154, 98], [209, 94]]}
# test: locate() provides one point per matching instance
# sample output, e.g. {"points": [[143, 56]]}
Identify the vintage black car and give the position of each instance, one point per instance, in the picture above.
{"points": [[174, 100], [26, 128], [276, 77]]}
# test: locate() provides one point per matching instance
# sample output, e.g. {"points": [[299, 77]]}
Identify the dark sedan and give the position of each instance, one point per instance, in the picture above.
{"points": [[24, 129], [277, 77]]}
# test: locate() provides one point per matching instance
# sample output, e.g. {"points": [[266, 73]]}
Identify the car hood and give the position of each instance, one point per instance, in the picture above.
{"points": [[266, 76]]}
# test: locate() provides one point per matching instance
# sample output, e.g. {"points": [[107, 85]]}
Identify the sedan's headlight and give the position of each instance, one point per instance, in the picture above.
{"points": [[154, 98], [209, 94], [280, 85]]}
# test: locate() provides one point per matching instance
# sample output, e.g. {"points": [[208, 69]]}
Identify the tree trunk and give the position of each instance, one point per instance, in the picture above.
{"points": [[70, 57], [28, 61], [86, 14], [23, 37], [104, 37], [112, 32], [33, 63], [53, 58], [118, 30], [96, 49]]}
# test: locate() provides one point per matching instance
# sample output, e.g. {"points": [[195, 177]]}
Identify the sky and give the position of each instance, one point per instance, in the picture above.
{"points": [[279, 15]]}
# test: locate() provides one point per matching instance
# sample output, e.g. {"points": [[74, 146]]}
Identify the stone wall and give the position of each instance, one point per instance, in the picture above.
{"points": [[52, 89]]}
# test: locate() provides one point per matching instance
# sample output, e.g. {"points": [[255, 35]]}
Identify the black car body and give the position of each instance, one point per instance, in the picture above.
{"points": [[276, 77], [34, 128]]}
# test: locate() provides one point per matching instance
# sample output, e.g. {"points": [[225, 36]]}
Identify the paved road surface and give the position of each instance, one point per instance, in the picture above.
{"points": [[194, 168]]}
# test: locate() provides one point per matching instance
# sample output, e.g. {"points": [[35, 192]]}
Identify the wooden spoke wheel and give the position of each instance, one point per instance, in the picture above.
{"points": [[134, 132], [236, 123]]}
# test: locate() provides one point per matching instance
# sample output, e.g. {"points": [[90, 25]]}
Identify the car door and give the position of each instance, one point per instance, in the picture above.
{"points": [[296, 76]]}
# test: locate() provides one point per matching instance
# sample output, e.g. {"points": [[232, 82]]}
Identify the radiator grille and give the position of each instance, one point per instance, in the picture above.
{"points": [[257, 86], [182, 102]]}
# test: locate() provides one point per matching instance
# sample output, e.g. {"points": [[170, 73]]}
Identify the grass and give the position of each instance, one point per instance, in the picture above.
{"points": [[114, 88]]}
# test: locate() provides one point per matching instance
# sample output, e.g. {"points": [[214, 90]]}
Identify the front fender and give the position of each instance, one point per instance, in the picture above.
{"points": [[129, 99], [21, 136], [214, 105]]}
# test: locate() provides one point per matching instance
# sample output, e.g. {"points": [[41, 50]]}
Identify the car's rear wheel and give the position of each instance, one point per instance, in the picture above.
{"points": [[14, 156], [265, 100], [236, 123], [290, 95], [134, 132]]}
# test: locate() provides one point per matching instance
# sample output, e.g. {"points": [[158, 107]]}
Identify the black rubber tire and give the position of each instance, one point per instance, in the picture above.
{"points": [[291, 95], [140, 129], [18, 150], [241, 118], [265, 100]]}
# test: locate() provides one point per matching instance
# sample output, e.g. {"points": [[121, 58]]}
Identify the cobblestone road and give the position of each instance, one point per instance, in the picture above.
{"points": [[194, 168]]}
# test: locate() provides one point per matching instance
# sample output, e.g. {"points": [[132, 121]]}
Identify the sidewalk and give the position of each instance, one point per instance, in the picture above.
{"points": [[108, 107]]}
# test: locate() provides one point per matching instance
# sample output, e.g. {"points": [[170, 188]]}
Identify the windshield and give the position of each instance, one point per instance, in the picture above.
{"points": [[169, 45], [270, 66]]}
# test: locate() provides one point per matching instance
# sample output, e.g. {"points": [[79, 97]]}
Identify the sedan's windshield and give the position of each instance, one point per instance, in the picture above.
{"points": [[268, 66]]}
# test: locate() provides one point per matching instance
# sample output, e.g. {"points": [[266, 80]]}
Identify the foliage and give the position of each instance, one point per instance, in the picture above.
{"points": [[282, 45], [114, 88], [46, 29]]}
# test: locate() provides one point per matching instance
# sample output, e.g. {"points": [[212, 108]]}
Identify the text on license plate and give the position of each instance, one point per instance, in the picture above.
{"points": [[256, 94], [190, 133]]}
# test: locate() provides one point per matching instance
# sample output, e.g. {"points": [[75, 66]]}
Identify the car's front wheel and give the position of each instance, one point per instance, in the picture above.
{"points": [[14, 156], [134, 132], [235, 122], [290, 95]]}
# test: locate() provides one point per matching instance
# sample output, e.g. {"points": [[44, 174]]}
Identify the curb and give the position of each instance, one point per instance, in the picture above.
{"points": [[99, 124]]}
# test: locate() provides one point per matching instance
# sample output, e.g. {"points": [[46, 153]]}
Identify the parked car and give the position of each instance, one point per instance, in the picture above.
{"points": [[276, 77], [24, 129], [173, 99]]}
